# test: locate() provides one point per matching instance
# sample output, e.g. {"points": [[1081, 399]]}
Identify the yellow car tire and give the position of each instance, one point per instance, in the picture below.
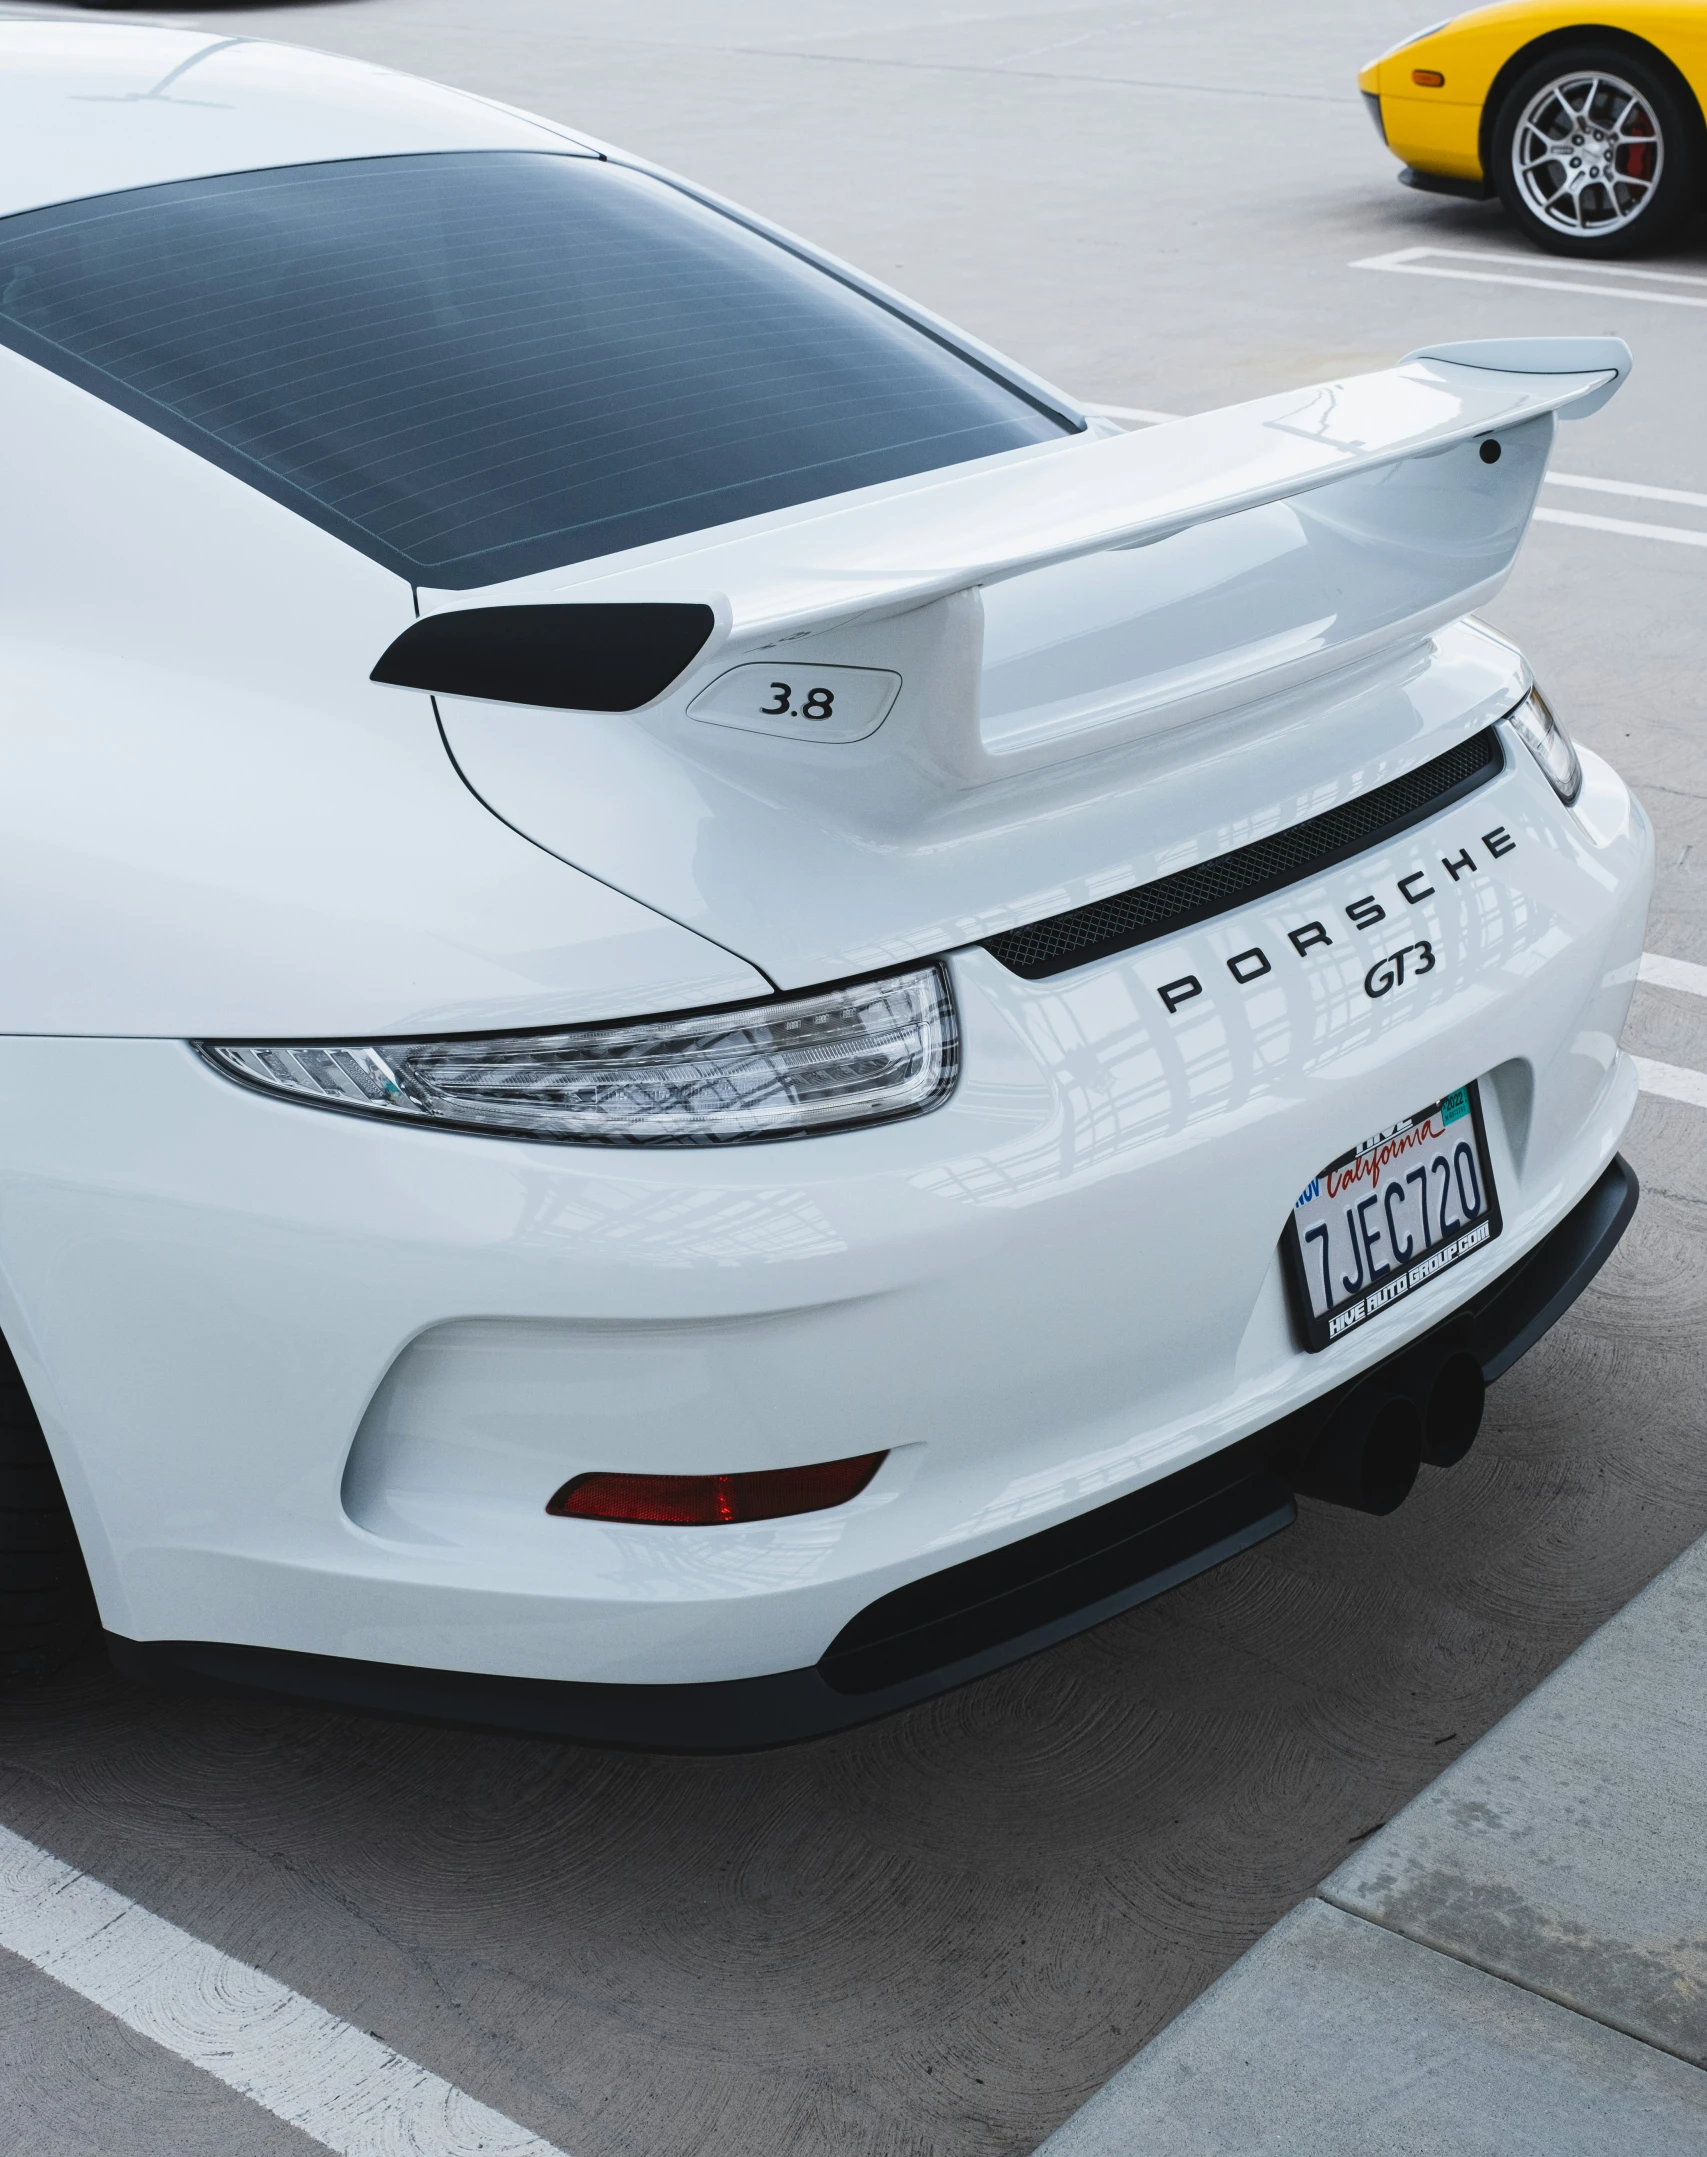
{"points": [[1595, 151]]}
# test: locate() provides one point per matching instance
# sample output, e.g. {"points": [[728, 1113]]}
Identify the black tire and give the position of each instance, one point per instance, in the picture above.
{"points": [[1636, 210], [46, 1609]]}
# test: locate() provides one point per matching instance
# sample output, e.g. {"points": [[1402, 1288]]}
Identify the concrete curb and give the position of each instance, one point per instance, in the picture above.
{"points": [[1517, 1962]]}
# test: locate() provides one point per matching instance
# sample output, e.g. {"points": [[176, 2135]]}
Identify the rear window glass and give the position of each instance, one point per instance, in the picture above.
{"points": [[478, 365]]}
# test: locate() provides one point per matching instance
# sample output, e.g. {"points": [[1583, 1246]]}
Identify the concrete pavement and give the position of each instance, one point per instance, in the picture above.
{"points": [[1517, 1963]]}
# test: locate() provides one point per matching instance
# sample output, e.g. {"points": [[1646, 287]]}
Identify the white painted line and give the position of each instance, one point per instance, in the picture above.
{"points": [[1533, 284], [1678, 536], [1674, 1082], [1406, 262], [1664, 973], [1629, 487], [1533, 262], [323, 2076]]}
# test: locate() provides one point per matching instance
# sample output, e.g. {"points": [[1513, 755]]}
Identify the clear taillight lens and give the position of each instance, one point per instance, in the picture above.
{"points": [[1549, 744], [824, 1062]]}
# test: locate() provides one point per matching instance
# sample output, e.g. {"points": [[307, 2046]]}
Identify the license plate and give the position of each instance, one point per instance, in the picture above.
{"points": [[1390, 1215]]}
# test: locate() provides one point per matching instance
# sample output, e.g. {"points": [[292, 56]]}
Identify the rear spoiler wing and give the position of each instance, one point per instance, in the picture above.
{"points": [[1409, 493], [860, 556]]}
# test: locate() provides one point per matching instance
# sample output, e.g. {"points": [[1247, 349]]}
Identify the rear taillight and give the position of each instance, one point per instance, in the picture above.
{"points": [[710, 1501], [827, 1060], [1549, 744]]}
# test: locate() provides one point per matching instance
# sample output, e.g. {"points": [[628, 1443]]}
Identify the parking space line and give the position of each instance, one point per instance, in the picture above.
{"points": [[1408, 262], [333, 2082], [1573, 268], [1552, 262], [1628, 487], [1662, 973], [1672, 1082], [1677, 535]]}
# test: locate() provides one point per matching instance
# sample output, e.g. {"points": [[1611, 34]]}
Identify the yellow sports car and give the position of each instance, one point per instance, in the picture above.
{"points": [[1586, 122]]}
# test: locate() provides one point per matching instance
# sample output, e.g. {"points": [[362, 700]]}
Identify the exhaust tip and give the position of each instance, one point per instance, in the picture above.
{"points": [[1368, 1456], [1454, 1412]]}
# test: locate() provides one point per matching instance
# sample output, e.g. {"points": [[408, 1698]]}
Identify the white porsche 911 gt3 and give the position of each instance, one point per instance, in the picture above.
{"points": [[712, 1015]]}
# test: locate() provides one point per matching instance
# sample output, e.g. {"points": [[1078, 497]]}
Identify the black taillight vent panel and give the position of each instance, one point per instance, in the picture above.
{"points": [[591, 657], [1181, 901]]}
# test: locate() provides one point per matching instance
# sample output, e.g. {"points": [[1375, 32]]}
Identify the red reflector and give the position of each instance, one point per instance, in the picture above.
{"points": [[705, 1501], [1428, 78]]}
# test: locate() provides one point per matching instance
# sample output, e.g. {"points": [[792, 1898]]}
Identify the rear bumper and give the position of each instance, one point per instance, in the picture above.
{"points": [[310, 1381], [967, 1621]]}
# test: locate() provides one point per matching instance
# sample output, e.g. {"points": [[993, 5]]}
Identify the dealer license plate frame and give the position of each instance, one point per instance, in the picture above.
{"points": [[1322, 1328]]}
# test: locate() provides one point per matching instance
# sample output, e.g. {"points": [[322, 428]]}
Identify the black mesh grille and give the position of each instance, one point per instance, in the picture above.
{"points": [[1250, 872]]}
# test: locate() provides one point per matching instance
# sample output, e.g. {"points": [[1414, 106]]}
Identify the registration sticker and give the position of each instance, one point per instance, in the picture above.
{"points": [[1390, 1215]]}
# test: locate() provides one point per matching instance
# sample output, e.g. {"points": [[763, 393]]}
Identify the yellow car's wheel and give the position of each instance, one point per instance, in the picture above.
{"points": [[1595, 153]]}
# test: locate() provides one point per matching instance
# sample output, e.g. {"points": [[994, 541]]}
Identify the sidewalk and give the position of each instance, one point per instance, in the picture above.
{"points": [[1516, 1964]]}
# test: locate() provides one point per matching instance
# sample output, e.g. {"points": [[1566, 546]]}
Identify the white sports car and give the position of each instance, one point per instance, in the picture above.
{"points": [[712, 1014]]}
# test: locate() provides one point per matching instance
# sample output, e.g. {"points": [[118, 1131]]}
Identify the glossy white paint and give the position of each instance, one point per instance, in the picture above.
{"points": [[88, 108], [310, 1380], [314, 1379], [1105, 620], [871, 862], [212, 822], [884, 550]]}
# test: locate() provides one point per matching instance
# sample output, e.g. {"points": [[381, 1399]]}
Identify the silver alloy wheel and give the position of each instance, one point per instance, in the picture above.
{"points": [[1587, 154]]}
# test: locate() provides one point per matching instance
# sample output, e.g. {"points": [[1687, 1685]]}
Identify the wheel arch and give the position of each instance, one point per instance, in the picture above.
{"points": [[1638, 48], [21, 1360]]}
